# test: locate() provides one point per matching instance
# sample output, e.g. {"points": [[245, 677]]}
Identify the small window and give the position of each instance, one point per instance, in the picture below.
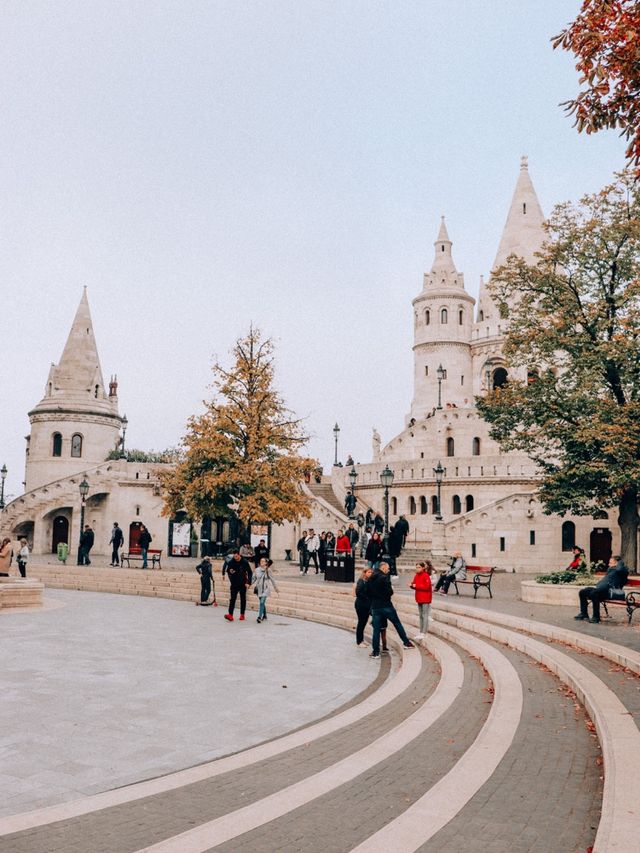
{"points": [[426, 370], [412, 505], [462, 380], [434, 504], [76, 445], [137, 510], [461, 317], [427, 317], [532, 537], [456, 506], [502, 543], [444, 316], [56, 449], [568, 536], [481, 317], [95, 391], [451, 447], [473, 549], [468, 503], [475, 447], [423, 505], [443, 247], [524, 206], [394, 506]]}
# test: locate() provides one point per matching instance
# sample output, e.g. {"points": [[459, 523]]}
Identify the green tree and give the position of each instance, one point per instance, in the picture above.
{"points": [[574, 332], [244, 451]]}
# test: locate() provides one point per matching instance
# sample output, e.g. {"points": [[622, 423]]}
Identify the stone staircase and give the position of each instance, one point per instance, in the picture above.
{"points": [[325, 491]]}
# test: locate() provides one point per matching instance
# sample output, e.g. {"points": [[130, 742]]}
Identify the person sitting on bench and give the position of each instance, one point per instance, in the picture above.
{"points": [[457, 571], [615, 578]]}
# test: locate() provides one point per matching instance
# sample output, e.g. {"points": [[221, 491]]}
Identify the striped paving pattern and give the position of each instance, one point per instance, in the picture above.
{"points": [[483, 740]]}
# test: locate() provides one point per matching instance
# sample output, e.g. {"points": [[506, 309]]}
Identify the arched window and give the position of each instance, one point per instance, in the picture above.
{"points": [[394, 506], [460, 317], [412, 505], [56, 449], [76, 445], [451, 447], [481, 317], [475, 447], [427, 317], [423, 505], [500, 377], [434, 504], [95, 391], [568, 536], [444, 316], [468, 503], [456, 507]]}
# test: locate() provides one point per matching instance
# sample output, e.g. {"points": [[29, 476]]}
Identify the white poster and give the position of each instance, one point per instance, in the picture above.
{"points": [[181, 540]]}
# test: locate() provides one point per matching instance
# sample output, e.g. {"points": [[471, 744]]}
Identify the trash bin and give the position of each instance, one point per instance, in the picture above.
{"points": [[63, 551], [340, 568]]}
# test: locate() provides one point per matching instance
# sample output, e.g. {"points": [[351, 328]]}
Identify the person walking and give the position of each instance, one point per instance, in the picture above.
{"points": [[205, 570], [457, 571], [375, 549], [362, 605], [23, 557], [615, 578], [259, 552], [145, 539], [312, 543], [402, 526], [265, 583], [380, 592], [6, 553], [354, 536], [322, 551], [86, 544], [116, 541], [421, 584], [302, 551], [240, 575]]}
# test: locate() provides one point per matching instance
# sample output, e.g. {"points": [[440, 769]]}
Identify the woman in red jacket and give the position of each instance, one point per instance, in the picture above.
{"points": [[421, 583], [343, 543]]}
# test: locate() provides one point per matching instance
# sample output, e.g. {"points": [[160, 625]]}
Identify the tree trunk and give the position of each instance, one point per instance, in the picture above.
{"points": [[628, 521]]}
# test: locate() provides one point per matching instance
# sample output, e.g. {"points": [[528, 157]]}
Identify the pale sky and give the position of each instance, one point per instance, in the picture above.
{"points": [[202, 165]]}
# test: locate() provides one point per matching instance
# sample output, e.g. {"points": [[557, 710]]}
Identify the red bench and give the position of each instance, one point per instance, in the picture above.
{"points": [[153, 554], [631, 601], [482, 576]]}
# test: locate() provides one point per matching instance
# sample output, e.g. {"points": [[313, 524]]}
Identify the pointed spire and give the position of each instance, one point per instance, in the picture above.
{"points": [[443, 234], [443, 270], [523, 232]]}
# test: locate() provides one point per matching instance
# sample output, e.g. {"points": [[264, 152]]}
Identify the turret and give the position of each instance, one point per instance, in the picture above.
{"points": [[443, 316], [76, 423]]}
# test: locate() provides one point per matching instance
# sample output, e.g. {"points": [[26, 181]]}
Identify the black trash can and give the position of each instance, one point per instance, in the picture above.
{"points": [[340, 568]]}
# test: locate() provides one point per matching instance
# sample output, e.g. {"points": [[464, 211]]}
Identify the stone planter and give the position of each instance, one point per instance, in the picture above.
{"points": [[563, 594]]}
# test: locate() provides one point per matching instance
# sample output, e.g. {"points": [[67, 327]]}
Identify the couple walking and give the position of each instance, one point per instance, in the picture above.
{"points": [[373, 593]]}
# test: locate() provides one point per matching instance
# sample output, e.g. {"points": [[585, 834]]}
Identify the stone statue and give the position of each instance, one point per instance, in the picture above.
{"points": [[375, 443]]}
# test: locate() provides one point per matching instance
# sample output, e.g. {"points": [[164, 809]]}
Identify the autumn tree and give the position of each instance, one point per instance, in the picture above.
{"points": [[605, 39], [243, 453], [574, 330]]}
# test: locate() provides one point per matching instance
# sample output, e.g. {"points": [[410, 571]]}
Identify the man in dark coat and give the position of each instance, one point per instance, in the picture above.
{"points": [[259, 552], [205, 570], [117, 538], [402, 526], [394, 542], [240, 576], [615, 578], [350, 504], [380, 591], [378, 523], [144, 541], [86, 544]]}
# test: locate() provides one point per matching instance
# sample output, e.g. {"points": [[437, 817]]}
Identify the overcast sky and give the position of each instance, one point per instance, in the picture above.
{"points": [[202, 165]]}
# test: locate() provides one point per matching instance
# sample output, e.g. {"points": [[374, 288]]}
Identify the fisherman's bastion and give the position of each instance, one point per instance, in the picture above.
{"points": [[488, 498]]}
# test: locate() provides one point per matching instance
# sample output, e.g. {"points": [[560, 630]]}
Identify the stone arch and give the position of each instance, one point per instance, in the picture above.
{"points": [[76, 445], [468, 503], [456, 506], [451, 446], [475, 446], [444, 316], [568, 536], [56, 444]]}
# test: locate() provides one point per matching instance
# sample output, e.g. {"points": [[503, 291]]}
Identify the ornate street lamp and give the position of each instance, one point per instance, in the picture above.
{"points": [[83, 488], [125, 424], [386, 478], [440, 373], [336, 433], [3, 474], [353, 478], [439, 473]]}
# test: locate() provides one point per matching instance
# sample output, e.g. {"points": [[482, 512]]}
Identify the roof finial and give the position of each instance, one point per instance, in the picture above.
{"points": [[524, 162]]}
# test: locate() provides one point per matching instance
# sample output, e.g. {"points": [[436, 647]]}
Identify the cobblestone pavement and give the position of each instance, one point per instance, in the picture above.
{"points": [[341, 819], [546, 793]]}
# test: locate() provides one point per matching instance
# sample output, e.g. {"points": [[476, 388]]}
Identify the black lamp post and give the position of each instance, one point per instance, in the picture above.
{"points": [[336, 433], [83, 488], [439, 472], [125, 424], [386, 478], [3, 474], [353, 479], [440, 373]]}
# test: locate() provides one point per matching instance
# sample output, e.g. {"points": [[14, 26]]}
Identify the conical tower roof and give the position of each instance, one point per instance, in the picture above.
{"points": [[443, 274], [76, 381], [523, 232]]}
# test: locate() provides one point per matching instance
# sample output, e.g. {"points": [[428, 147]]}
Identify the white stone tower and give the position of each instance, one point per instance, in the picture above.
{"points": [[443, 318], [76, 423]]}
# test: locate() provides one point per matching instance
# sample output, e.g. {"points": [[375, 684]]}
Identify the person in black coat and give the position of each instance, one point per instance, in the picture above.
{"points": [[615, 578], [380, 592], [86, 544], [240, 576], [144, 541], [205, 570], [259, 552], [394, 542], [117, 538], [402, 526]]}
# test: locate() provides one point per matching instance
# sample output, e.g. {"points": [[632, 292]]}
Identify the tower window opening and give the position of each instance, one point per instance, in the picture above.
{"points": [[461, 317], [473, 549], [95, 391], [568, 536], [502, 543], [434, 504], [394, 506], [444, 316], [443, 247], [76, 445], [524, 207], [468, 503], [456, 506], [451, 446], [56, 449], [427, 317], [481, 316], [532, 537], [426, 370], [475, 447], [423, 505], [412, 505], [462, 379]]}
